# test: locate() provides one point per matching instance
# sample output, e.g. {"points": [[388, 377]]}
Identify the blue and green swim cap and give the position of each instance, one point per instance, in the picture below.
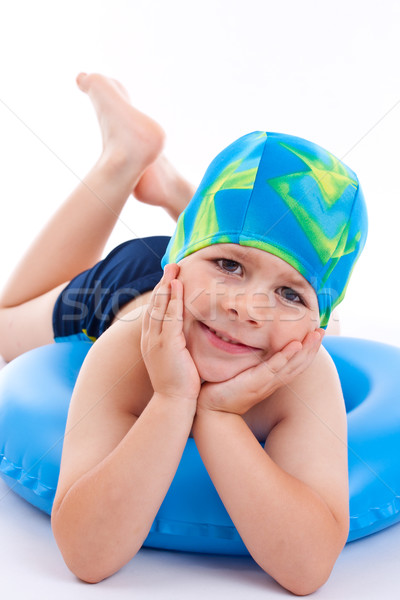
{"points": [[284, 195]]}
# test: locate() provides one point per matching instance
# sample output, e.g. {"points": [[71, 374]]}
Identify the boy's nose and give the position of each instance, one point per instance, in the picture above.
{"points": [[249, 309], [235, 314]]}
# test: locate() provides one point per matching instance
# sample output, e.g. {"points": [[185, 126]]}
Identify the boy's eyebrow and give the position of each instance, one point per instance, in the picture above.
{"points": [[298, 281], [303, 283], [242, 253]]}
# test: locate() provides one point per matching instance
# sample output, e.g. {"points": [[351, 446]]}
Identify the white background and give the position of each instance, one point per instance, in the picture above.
{"points": [[209, 72]]}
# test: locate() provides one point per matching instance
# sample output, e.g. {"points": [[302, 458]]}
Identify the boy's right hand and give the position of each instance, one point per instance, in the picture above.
{"points": [[170, 366]]}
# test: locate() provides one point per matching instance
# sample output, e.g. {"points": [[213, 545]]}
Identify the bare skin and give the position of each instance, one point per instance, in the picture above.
{"points": [[142, 389], [66, 246]]}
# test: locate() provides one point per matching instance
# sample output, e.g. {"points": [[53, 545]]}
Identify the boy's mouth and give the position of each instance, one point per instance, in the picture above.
{"points": [[224, 342]]}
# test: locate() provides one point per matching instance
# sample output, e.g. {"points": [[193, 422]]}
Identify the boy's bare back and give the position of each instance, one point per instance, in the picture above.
{"points": [[226, 348], [304, 419]]}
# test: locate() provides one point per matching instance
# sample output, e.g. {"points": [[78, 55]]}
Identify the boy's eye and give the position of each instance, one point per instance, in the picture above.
{"points": [[231, 266], [290, 295]]}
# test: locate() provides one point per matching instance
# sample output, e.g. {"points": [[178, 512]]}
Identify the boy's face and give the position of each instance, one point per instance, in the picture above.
{"points": [[244, 295]]}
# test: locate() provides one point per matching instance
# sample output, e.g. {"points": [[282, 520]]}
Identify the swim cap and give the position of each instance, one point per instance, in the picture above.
{"points": [[284, 195]]}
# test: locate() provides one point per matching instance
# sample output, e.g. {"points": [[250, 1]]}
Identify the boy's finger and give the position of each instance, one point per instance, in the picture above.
{"points": [[309, 345], [276, 368], [312, 338], [173, 321], [300, 360], [159, 303], [158, 310], [164, 278], [277, 362], [264, 378], [155, 313]]}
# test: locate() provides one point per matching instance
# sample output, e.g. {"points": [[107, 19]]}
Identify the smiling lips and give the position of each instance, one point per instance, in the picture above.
{"points": [[226, 343]]}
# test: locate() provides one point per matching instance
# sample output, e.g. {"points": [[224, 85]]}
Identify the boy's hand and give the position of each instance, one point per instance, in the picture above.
{"points": [[171, 368], [239, 394]]}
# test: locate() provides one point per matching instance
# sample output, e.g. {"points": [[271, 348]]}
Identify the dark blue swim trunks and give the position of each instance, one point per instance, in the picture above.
{"points": [[88, 304]]}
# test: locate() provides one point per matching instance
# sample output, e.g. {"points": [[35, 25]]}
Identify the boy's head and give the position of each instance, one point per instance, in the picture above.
{"points": [[284, 195]]}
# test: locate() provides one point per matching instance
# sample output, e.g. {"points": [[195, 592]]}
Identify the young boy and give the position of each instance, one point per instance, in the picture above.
{"points": [[225, 345]]}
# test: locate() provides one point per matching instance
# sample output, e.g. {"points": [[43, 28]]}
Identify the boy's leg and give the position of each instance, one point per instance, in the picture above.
{"points": [[75, 237], [27, 325], [162, 185]]}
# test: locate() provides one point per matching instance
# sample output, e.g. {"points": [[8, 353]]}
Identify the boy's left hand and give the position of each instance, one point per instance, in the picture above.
{"points": [[239, 394]]}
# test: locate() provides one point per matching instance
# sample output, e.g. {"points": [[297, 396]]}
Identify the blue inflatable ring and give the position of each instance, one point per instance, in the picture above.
{"points": [[35, 391]]}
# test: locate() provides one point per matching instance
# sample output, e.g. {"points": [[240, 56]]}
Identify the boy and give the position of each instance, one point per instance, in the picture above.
{"points": [[225, 345]]}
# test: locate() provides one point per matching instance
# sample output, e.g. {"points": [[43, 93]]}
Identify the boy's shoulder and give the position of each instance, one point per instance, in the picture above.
{"points": [[314, 392], [117, 356], [317, 388]]}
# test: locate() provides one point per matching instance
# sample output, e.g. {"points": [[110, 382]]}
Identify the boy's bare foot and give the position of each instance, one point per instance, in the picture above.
{"points": [[133, 141], [129, 136], [162, 185]]}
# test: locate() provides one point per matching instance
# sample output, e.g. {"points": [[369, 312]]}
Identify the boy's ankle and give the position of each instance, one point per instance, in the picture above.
{"points": [[119, 164]]}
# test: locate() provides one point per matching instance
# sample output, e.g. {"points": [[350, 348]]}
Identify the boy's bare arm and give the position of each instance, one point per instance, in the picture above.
{"points": [[289, 502], [117, 467]]}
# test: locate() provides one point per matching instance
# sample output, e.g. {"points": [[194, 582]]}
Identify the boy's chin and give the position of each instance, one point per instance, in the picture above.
{"points": [[213, 373]]}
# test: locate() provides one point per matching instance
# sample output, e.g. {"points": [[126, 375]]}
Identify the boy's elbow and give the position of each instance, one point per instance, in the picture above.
{"points": [[86, 569], [90, 569], [304, 586], [303, 581], [306, 575], [312, 574], [87, 576], [89, 563]]}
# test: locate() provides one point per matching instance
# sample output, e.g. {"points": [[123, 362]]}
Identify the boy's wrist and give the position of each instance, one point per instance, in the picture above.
{"points": [[172, 399], [206, 418]]}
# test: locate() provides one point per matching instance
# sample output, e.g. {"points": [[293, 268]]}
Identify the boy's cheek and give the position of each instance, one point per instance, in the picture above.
{"points": [[200, 305], [192, 311]]}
